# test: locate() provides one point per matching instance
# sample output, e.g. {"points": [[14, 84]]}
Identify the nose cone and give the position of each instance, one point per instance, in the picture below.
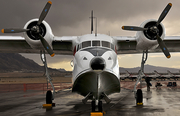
{"points": [[97, 64]]}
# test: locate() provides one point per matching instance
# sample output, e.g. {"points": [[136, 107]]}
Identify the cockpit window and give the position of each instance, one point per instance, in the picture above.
{"points": [[86, 44], [105, 44], [95, 43]]}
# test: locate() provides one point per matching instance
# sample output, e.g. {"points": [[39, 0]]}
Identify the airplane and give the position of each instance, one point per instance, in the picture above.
{"points": [[151, 76], [124, 76], [95, 72], [173, 76], [160, 76], [131, 76]]}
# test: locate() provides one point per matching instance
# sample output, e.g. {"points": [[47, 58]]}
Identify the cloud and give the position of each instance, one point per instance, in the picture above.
{"points": [[71, 17], [58, 61], [65, 14]]}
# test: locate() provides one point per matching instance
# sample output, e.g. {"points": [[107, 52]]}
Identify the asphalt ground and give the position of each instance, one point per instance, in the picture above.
{"points": [[164, 101]]}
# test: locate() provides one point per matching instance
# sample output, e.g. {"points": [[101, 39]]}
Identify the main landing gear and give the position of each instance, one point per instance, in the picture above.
{"points": [[49, 94], [49, 97], [138, 94]]}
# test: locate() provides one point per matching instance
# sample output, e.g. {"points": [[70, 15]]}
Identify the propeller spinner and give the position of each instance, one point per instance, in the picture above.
{"points": [[154, 30], [35, 29]]}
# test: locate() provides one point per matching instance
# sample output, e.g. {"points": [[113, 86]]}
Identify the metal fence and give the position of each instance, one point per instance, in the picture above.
{"points": [[33, 86]]}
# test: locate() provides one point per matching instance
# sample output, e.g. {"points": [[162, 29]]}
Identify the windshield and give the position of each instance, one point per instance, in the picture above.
{"points": [[95, 43], [86, 44], [105, 44]]}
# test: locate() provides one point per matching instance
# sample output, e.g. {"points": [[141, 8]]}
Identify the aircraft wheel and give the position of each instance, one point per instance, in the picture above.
{"points": [[139, 98], [100, 106], [49, 97], [93, 106]]}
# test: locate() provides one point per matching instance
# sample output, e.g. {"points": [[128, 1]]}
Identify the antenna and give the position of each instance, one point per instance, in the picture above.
{"points": [[92, 23], [96, 27]]}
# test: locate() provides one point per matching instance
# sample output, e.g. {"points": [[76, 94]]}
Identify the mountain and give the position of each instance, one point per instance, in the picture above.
{"points": [[15, 62], [10, 62], [61, 70], [149, 69]]}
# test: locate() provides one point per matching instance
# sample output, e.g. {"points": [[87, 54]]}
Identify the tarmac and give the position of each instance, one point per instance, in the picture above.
{"points": [[157, 102]]}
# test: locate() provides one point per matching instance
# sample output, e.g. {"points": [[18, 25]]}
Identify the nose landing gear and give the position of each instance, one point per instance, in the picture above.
{"points": [[96, 109]]}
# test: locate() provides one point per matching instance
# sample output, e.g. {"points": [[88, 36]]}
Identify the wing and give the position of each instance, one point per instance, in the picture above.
{"points": [[63, 45], [18, 44], [127, 45], [172, 43], [15, 44]]}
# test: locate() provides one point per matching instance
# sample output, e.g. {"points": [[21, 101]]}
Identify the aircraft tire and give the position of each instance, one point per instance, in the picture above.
{"points": [[100, 106], [93, 106], [139, 98], [49, 97]]}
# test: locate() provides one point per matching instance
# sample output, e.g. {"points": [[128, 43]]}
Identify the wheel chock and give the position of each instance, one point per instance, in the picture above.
{"points": [[47, 105], [53, 104], [96, 114], [139, 104]]}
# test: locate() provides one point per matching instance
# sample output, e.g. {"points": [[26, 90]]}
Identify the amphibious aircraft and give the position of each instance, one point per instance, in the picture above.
{"points": [[95, 69]]}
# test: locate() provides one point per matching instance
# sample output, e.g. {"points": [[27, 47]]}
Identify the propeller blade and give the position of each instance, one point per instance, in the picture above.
{"points": [[13, 30], [133, 28], [164, 13], [163, 47], [46, 46], [44, 12]]}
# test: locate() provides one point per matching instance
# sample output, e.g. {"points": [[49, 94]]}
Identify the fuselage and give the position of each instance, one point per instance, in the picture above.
{"points": [[96, 68]]}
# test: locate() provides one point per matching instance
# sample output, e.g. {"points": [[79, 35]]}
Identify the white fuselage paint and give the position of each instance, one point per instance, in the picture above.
{"points": [[82, 58], [82, 71]]}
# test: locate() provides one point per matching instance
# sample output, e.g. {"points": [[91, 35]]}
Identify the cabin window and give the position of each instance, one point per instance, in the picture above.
{"points": [[86, 44], [95, 43], [105, 44], [112, 46], [77, 47]]}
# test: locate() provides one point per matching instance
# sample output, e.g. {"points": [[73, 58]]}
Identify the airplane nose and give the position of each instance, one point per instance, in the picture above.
{"points": [[97, 64]]}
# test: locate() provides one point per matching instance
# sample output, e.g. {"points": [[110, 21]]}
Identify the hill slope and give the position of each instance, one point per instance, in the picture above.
{"points": [[15, 62], [149, 69]]}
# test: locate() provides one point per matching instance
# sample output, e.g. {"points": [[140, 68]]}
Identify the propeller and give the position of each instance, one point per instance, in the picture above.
{"points": [[35, 29], [154, 30], [134, 28]]}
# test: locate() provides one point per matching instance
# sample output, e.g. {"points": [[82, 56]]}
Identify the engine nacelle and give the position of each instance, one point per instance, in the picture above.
{"points": [[32, 38], [146, 40]]}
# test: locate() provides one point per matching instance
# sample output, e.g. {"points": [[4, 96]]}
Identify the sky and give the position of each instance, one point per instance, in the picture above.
{"points": [[71, 18]]}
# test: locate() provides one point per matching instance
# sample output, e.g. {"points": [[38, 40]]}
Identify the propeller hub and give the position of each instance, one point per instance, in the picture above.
{"points": [[35, 29], [154, 30]]}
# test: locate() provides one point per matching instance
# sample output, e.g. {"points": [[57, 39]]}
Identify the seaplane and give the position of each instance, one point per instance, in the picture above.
{"points": [[95, 72]]}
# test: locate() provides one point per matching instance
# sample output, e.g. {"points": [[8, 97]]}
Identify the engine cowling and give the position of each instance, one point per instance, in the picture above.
{"points": [[147, 40], [31, 37]]}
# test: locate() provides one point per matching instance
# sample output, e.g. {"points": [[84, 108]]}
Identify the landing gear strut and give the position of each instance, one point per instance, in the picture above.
{"points": [[138, 94], [97, 108], [49, 94]]}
